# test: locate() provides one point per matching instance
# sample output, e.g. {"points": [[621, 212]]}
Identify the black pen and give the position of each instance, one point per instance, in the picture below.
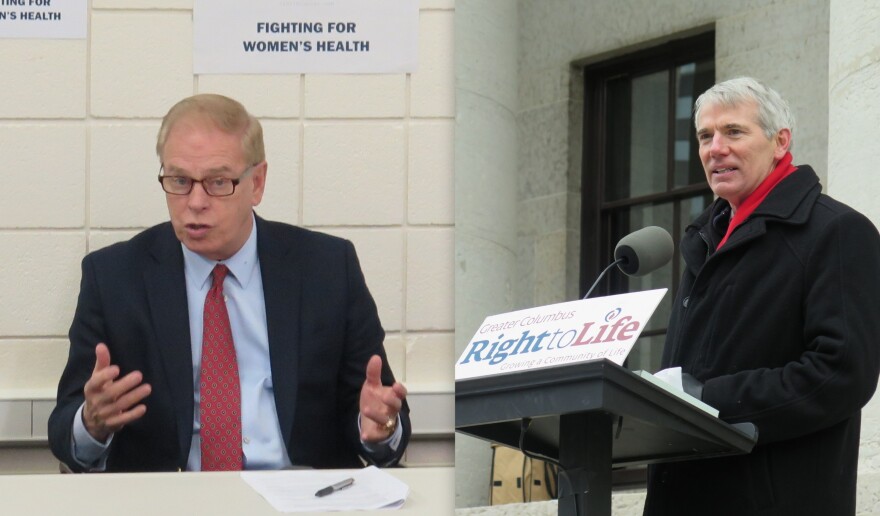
{"points": [[335, 487]]}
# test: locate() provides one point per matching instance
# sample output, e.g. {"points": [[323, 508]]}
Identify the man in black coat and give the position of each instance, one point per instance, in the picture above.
{"points": [[778, 316], [301, 363]]}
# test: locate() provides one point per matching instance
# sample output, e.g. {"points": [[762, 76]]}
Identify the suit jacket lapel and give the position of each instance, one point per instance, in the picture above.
{"points": [[165, 285], [282, 289]]}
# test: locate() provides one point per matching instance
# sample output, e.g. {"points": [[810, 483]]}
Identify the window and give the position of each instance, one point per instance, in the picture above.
{"points": [[641, 167]]}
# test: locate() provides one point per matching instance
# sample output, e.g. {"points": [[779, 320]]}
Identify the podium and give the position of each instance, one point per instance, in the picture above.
{"points": [[592, 416]]}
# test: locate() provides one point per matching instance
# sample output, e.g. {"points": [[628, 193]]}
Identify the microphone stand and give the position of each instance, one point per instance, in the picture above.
{"points": [[602, 275]]}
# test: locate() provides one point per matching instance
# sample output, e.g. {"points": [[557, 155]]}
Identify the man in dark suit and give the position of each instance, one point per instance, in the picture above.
{"points": [[299, 340]]}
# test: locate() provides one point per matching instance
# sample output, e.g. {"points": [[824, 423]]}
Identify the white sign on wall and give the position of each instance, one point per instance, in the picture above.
{"points": [[45, 19], [305, 36], [564, 333]]}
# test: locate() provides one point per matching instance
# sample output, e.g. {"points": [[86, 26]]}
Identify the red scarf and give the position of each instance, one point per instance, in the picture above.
{"points": [[754, 199]]}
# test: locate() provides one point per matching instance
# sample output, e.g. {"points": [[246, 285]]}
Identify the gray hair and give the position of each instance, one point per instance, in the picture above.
{"points": [[773, 111]]}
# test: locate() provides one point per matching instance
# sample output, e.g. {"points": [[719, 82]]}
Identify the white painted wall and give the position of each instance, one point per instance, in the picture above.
{"points": [[367, 157]]}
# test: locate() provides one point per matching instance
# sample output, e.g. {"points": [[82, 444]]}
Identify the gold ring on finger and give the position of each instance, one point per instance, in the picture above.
{"points": [[390, 425]]}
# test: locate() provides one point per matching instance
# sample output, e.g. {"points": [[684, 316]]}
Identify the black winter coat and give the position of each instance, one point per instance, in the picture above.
{"points": [[782, 324]]}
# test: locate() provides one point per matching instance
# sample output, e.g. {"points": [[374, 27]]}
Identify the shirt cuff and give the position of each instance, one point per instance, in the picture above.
{"points": [[383, 447], [87, 451]]}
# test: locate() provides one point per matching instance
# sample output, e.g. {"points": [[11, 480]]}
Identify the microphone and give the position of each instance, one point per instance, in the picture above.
{"points": [[639, 253], [644, 251]]}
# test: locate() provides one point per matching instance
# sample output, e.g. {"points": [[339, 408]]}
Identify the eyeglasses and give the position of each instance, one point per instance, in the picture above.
{"points": [[213, 186]]}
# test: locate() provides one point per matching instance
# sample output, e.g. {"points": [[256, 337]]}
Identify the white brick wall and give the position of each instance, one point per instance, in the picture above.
{"points": [[356, 96], [430, 195], [354, 173], [47, 163], [40, 280], [433, 93], [366, 157], [380, 251], [283, 198], [266, 96], [122, 176], [428, 279], [141, 63], [43, 79]]}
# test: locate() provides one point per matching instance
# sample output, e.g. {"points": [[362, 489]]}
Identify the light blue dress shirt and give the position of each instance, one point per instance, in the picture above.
{"points": [[261, 439]]}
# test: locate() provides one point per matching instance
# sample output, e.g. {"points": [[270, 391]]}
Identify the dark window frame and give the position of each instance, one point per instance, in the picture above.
{"points": [[596, 245], [595, 237]]}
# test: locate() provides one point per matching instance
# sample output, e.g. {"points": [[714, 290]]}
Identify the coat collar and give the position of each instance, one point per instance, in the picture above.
{"points": [[790, 202], [793, 198]]}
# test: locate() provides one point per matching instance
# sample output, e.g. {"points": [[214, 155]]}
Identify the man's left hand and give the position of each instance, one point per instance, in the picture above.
{"points": [[379, 404]]}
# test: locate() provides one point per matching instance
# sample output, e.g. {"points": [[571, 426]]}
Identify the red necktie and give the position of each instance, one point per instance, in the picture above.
{"points": [[220, 393]]}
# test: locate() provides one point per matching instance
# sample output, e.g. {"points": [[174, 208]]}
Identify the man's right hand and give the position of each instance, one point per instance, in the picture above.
{"points": [[112, 403]]}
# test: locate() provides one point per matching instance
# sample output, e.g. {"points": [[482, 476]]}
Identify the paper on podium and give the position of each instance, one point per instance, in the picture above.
{"points": [[670, 381], [294, 490]]}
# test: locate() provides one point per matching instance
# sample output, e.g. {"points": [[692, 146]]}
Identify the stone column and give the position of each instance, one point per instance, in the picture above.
{"points": [[853, 154], [486, 36]]}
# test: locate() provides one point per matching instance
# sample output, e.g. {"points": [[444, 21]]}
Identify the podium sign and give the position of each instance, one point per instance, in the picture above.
{"points": [[564, 333]]}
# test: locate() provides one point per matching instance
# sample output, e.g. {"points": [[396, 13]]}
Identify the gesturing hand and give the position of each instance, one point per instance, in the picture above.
{"points": [[112, 403], [379, 404]]}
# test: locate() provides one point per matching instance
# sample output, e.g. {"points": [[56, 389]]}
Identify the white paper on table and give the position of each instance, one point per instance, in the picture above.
{"points": [[670, 381], [294, 490], [672, 376]]}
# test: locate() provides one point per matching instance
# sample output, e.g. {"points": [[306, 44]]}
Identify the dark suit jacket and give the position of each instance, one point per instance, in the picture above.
{"points": [[322, 325]]}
